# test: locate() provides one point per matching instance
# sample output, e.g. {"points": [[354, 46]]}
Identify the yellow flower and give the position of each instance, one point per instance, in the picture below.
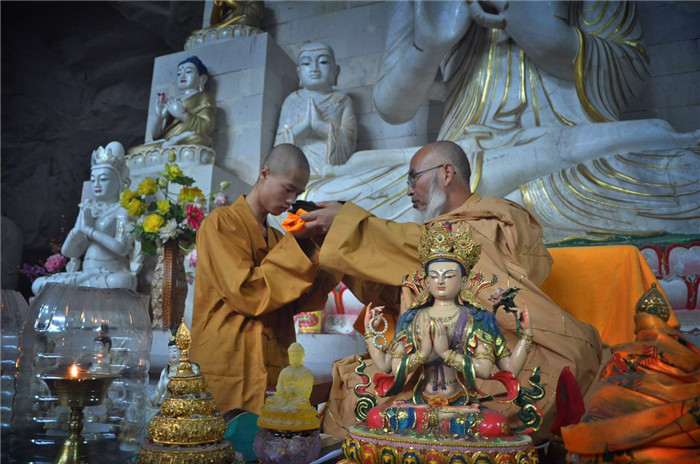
{"points": [[172, 171], [189, 194], [126, 197], [152, 223], [136, 207], [148, 186], [163, 206]]}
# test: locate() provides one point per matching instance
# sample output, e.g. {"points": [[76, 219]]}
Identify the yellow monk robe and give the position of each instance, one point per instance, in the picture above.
{"points": [[247, 291], [368, 248], [646, 409]]}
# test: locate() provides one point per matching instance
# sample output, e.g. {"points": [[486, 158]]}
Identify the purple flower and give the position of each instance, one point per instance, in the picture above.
{"points": [[221, 199], [33, 271], [55, 263], [192, 258]]}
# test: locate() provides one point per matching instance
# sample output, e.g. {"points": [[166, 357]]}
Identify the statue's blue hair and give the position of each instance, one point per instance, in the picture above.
{"points": [[201, 69]]}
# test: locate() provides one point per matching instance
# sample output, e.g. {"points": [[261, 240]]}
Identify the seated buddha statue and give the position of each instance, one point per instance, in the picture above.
{"points": [[230, 12], [289, 408], [534, 93], [187, 118], [441, 344], [319, 120], [101, 237]]}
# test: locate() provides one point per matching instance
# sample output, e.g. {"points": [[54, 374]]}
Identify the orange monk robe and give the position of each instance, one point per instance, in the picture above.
{"points": [[646, 409], [247, 291], [368, 248]]}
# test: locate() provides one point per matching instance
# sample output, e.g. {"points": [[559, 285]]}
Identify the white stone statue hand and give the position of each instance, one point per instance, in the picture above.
{"points": [[440, 341], [175, 107], [489, 19], [161, 112], [319, 126], [438, 26], [86, 222], [302, 129]]}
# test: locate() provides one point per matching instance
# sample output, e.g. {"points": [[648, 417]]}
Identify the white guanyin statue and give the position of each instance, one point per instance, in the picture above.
{"points": [[188, 118], [533, 93], [102, 232], [319, 120]]}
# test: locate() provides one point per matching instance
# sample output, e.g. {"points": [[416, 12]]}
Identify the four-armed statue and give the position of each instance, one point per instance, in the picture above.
{"points": [[101, 235], [442, 344], [533, 93], [319, 120]]}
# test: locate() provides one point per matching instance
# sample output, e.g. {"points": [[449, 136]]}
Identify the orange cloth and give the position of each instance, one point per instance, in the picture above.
{"points": [[368, 248], [646, 408], [247, 291], [601, 285], [294, 223]]}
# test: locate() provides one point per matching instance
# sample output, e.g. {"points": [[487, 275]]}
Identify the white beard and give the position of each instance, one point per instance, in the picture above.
{"points": [[437, 200]]}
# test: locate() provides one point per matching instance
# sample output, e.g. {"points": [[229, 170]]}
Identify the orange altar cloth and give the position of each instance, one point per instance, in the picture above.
{"points": [[601, 285]]}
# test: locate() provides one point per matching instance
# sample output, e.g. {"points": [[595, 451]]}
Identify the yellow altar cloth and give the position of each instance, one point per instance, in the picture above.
{"points": [[601, 285]]}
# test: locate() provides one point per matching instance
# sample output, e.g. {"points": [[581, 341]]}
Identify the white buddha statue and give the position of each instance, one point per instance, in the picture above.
{"points": [[533, 93], [319, 120], [101, 235], [187, 118]]}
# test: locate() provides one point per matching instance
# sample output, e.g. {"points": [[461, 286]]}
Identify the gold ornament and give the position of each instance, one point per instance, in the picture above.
{"points": [[440, 242], [654, 303]]}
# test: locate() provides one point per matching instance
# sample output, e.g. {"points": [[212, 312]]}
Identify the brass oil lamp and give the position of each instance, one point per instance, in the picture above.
{"points": [[77, 389]]}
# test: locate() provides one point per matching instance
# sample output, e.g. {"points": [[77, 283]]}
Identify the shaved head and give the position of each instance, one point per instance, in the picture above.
{"points": [[449, 152], [286, 158]]}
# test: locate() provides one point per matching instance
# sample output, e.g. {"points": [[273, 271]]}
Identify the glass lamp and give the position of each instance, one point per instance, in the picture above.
{"points": [[102, 331]]}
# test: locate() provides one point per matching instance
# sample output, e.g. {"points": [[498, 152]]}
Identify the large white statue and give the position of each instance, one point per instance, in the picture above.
{"points": [[319, 120], [101, 235], [534, 92]]}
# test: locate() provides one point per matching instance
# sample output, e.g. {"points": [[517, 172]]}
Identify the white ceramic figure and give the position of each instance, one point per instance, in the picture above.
{"points": [[101, 235], [187, 118], [156, 398], [319, 120], [534, 92]]}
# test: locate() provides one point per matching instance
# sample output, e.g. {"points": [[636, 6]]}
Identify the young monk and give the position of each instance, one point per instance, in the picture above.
{"points": [[250, 282]]}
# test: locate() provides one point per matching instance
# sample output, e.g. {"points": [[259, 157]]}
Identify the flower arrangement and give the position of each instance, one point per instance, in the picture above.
{"points": [[53, 264], [163, 215]]}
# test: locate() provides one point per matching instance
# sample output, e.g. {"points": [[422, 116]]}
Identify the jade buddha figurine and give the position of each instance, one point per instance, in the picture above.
{"points": [[102, 251], [289, 408]]}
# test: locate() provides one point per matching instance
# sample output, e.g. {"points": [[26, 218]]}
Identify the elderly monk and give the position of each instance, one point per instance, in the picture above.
{"points": [[372, 250], [250, 282]]}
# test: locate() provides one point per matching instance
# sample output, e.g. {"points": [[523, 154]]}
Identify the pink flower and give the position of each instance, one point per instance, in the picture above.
{"points": [[192, 258], [221, 199], [55, 263], [496, 296], [194, 217]]}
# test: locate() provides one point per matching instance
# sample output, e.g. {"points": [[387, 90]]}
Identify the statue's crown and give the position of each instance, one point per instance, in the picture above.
{"points": [[111, 155], [439, 242]]}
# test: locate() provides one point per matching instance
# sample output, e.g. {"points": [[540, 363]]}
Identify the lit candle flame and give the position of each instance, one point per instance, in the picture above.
{"points": [[74, 371]]}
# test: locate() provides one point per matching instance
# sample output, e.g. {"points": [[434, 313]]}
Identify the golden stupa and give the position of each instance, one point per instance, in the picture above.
{"points": [[188, 429]]}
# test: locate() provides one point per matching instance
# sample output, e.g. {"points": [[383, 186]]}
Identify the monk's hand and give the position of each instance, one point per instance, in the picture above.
{"points": [[438, 26], [440, 341], [177, 109], [488, 14], [320, 220]]}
